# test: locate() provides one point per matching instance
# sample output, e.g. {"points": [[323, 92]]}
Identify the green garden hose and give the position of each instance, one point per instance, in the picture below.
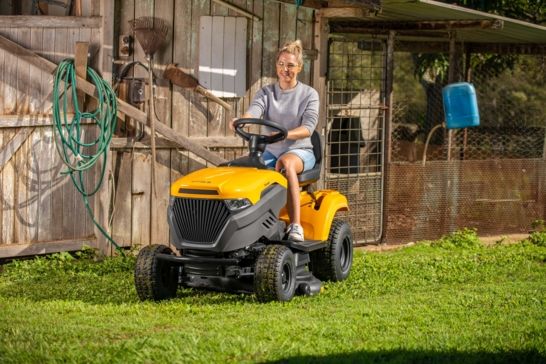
{"points": [[76, 153]]}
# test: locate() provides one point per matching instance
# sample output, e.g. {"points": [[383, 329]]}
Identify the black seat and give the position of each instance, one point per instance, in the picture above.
{"points": [[312, 175]]}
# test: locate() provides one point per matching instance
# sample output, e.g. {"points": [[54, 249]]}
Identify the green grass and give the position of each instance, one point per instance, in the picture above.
{"points": [[448, 301]]}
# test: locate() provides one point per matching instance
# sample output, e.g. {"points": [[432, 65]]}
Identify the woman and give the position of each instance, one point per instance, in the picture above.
{"points": [[295, 106]]}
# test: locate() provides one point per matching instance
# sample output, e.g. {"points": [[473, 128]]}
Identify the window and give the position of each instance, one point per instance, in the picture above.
{"points": [[222, 55]]}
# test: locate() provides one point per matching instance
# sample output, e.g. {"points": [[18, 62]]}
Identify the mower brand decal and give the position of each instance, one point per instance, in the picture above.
{"points": [[197, 192]]}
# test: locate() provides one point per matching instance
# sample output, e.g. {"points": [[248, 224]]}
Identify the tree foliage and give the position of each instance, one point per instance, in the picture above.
{"points": [[532, 11]]}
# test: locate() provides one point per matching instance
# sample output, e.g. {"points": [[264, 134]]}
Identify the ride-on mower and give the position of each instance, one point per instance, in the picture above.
{"points": [[228, 225]]}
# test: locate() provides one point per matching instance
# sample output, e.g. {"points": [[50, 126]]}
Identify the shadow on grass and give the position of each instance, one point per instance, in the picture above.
{"points": [[419, 357]]}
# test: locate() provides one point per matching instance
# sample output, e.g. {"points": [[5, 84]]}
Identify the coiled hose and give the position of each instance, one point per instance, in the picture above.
{"points": [[76, 153]]}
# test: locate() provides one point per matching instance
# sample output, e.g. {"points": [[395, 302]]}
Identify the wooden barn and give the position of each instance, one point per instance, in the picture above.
{"points": [[358, 55]]}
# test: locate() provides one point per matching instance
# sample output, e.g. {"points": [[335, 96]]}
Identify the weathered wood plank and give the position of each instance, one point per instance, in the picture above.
{"points": [[122, 214], [49, 180], [182, 41], [287, 28], [8, 196], [45, 21], [23, 74], [22, 177], [159, 204], [304, 32], [58, 195], [141, 183], [35, 75], [10, 76], [199, 107], [46, 84], [44, 247], [256, 51], [271, 44], [33, 170], [242, 83]]}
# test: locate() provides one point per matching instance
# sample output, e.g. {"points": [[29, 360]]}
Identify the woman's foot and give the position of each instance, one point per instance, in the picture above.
{"points": [[295, 232]]}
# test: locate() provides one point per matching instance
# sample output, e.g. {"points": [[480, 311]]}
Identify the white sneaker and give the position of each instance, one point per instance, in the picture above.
{"points": [[295, 233]]}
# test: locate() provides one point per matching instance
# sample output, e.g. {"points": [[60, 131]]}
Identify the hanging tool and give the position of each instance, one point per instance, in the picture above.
{"points": [[182, 79], [150, 33]]}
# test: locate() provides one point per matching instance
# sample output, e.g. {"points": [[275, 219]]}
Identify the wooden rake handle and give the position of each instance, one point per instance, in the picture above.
{"points": [[203, 91]]}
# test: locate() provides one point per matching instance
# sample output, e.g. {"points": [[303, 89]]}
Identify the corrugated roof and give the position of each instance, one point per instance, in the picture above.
{"points": [[513, 31]]}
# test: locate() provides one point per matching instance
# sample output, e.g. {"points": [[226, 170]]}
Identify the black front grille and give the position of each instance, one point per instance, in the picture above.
{"points": [[199, 220]]}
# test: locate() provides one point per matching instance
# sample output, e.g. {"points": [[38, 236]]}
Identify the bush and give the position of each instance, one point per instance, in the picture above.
{"points": [[465, 239]]}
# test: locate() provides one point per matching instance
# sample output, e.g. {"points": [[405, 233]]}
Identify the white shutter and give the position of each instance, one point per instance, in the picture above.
{"points": [[222, 55]]}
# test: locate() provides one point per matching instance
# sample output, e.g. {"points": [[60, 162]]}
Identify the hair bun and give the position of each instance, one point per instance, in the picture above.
{"points": [[295, 47]]}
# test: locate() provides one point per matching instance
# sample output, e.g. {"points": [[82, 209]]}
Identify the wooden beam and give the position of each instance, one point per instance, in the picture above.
{"points": [[42, 21], [313, 4], [209, 142], [23, 250], [123, 107], [508, 48], [398, 26], [344, 13], [443, 47], [366, 4], [350, 28], [238, 10], [13, 146]]}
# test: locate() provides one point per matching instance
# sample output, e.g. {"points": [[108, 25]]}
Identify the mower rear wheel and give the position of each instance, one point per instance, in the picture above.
{"points": [[334, 262], [275, 274], [155, 279]]}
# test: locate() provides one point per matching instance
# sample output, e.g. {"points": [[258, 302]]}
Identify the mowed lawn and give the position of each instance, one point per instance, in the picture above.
{"points": [[448, 301]]}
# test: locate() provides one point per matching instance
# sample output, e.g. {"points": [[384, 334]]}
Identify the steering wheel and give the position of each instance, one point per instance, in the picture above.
{"points": [[260, 138]]}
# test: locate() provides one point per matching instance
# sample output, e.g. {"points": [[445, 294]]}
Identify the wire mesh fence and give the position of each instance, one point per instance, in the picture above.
{"points": [[355, 133], [511, 102], [491, 177]]}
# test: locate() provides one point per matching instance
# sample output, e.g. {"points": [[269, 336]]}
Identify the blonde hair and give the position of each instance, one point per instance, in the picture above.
{"points": [[294, 48]]}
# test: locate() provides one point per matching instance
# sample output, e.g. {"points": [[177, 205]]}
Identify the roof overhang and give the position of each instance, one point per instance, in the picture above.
{"points": [[436, 22]]}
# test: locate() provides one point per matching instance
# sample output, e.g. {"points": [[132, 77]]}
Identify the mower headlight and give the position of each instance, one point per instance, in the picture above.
{"points": [[239, 204]]}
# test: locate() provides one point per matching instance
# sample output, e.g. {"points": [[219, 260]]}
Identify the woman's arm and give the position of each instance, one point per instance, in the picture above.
{"points": [[298, 133]]}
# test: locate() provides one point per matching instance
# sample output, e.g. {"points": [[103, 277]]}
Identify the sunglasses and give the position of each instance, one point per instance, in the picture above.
{"points": [[288, 66]]}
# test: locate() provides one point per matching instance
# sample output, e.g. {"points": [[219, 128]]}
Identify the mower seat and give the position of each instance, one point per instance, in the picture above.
{"points": [[312, 175]]}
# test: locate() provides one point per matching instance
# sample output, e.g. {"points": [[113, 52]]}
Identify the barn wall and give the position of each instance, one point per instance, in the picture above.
{"points": [[38, 204], [40, 209]]}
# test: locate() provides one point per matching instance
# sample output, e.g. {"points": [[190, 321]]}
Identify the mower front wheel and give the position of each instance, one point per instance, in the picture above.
{"points": [[155, 279], [275, 274]]}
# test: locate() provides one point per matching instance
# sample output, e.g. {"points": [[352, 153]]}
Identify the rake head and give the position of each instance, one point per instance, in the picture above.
{"points": [[150, 33], [179, 77]]}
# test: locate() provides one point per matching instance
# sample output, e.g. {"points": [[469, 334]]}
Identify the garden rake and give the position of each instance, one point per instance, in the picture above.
{"points": [[150, 33]]}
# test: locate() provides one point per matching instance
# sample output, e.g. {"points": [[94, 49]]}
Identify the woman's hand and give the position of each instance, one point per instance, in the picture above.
{"points": [[231, 124]]}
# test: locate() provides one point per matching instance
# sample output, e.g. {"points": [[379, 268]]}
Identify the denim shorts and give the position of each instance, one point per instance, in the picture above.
{"points": [[306, 155]]}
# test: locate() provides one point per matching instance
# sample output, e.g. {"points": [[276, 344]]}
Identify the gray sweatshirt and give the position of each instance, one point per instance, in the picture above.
{"points": [[298, 106]]}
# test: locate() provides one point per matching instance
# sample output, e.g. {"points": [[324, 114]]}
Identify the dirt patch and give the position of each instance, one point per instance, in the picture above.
{"points": [[487, 240]]}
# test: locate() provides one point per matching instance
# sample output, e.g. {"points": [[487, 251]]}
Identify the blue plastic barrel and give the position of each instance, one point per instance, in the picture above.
{"points": [[460, 105]]}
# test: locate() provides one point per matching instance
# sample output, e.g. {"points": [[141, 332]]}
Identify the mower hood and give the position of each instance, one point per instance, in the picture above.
{"points": [[227, 183]]}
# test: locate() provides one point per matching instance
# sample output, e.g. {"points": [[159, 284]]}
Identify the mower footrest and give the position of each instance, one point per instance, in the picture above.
{"points": [[306, 246]]}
